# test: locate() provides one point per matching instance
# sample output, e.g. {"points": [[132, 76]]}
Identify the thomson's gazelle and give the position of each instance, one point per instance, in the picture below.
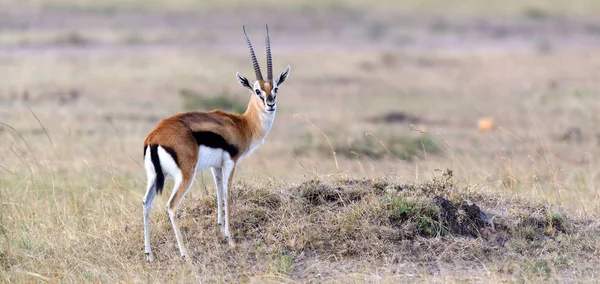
{"points": [[181, 145]]}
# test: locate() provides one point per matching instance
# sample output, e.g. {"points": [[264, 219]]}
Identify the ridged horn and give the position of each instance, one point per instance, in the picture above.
{"points": [[253, 56], [269, 59]]}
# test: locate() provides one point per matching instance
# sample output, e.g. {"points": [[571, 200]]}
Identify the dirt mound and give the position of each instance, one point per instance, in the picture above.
{"points": [[316, 193], [347, 219]]}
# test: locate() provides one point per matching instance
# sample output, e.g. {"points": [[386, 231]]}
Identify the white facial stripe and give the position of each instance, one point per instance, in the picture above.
{"points": [[257, 87]]}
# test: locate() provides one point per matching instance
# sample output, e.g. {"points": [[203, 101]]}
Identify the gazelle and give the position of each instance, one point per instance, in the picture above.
{"points": [[186, 143]]}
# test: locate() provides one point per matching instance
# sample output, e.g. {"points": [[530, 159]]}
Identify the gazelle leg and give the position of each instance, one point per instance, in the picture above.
{"points": [[228, 170], [183, 182], [218, 177], [147, 203]]}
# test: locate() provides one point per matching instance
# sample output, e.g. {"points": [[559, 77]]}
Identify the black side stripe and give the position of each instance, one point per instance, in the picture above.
{"points": [[214, 140], [160, 177]]}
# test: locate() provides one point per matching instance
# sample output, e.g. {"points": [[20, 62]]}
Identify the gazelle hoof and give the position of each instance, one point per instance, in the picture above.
{"points": [[149, 257], [231, 243]]}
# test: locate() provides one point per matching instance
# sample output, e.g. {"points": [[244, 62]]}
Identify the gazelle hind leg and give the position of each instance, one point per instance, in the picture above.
{"points": [[147, 201], [147, 204], [218, 177], [183, 182], [228, 170]]}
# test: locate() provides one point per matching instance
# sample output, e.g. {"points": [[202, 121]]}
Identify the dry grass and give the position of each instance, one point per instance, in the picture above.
{"points": [[282, 227], [345, 188], [86, 190], [369, 145]]}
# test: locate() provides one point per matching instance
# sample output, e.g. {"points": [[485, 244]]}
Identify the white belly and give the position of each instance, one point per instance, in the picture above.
{"points": [[210, 157]]}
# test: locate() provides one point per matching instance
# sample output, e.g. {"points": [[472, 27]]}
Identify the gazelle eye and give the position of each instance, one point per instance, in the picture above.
{"points": [[276, 90], [258, 92]]}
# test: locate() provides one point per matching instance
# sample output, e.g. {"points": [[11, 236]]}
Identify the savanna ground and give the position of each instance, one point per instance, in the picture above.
{"points": [[374, 169]]}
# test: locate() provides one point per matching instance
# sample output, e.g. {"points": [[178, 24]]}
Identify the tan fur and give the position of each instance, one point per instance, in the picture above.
{"points": [[267, 86], [176, 132], [238, 130]]}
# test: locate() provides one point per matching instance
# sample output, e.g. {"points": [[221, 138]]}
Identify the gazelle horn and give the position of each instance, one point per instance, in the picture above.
{"points": [[253, 57], [269, 59]]}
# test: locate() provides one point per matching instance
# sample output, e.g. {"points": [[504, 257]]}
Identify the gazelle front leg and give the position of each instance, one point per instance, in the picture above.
{"points": [[228, 170], [218, 177]]}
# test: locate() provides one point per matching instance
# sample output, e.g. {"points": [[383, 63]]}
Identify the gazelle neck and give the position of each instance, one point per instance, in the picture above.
{"points": [[260, 119]]}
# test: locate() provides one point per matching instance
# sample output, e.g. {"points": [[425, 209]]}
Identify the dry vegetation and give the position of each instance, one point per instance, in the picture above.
{"points": [[373, 172]]}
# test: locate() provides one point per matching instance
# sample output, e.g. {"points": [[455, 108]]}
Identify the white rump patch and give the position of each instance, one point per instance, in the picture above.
{"points": [[167, 163], [150, 172]]}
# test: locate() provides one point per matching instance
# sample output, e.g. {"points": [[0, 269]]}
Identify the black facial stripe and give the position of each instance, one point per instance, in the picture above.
{"points": [[259, 94], [214, 140]]}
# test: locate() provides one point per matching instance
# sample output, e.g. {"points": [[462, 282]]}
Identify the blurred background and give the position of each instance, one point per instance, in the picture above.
{"points": [[505, 93], [494, 102]]}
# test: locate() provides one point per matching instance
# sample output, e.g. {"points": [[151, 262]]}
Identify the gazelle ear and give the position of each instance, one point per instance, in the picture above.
{"points": [[283, 76], [243, 81]]}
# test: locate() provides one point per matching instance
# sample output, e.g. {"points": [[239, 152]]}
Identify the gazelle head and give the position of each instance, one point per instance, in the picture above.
{"points": [[264, 91]]}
